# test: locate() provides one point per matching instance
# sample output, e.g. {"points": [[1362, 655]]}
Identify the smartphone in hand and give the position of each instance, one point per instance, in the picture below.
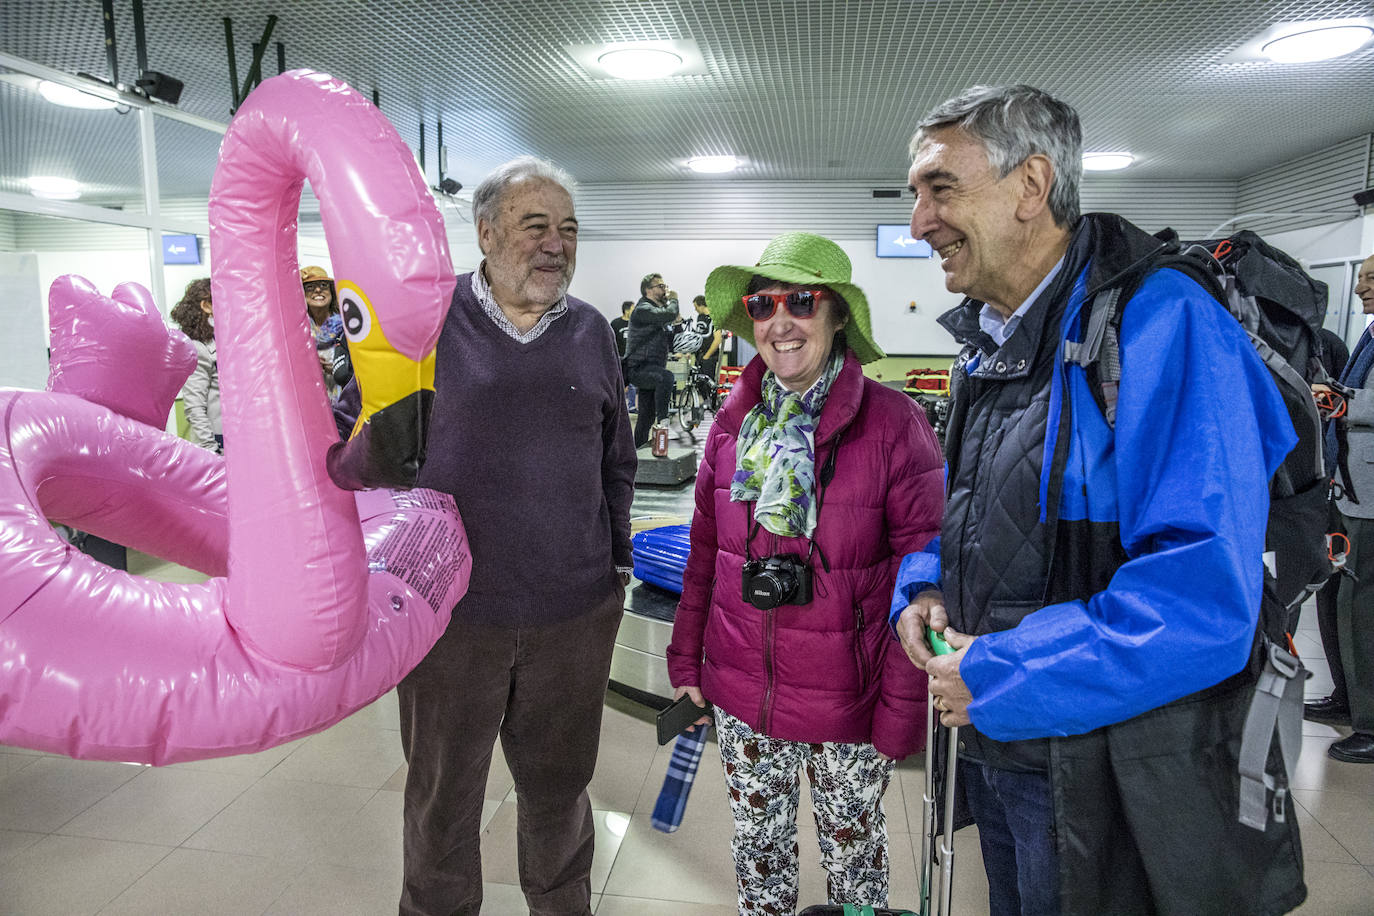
{"points": [[674, 720]]}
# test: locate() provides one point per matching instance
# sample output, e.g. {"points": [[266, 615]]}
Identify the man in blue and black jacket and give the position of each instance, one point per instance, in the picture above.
{"points": [[1100, 582]]}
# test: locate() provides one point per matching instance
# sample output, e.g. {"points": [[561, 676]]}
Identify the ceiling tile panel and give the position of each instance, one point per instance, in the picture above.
{"points": [[801, 89]]}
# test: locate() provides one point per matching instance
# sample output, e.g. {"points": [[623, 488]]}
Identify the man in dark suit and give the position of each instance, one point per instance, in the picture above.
{"points": [[1349, 638]]}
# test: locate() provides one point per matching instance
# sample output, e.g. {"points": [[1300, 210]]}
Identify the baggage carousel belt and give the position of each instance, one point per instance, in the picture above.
{"points": [[651, 601]]}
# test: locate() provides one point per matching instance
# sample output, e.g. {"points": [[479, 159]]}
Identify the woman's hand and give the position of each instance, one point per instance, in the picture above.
{"points": [[694, 692]]}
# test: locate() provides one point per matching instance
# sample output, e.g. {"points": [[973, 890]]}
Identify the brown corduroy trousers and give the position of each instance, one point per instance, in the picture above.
{"points": [[542, 691]]}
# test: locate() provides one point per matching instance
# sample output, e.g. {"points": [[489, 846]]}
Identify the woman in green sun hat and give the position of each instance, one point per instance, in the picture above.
{"points": [[815, 483]]}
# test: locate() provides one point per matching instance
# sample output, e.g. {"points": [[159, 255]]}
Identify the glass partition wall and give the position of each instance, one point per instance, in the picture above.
{"points": [[1344, 311], [91, 182]]}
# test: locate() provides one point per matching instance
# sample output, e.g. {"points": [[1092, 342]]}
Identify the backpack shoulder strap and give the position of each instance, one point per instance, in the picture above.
{"points": [[1275, 707], [1099, 353]]}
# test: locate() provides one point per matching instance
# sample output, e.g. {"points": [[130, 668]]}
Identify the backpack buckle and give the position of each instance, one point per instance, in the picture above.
{"points": [[1284, 662]]}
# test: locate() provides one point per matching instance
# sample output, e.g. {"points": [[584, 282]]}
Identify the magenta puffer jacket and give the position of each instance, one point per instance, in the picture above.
{"points": [[831, 670]]}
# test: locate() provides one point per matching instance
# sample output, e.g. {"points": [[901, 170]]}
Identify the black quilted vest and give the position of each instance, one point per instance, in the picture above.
{"points": [[994, 551]]}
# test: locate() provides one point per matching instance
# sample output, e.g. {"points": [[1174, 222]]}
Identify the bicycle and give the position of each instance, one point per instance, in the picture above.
{"points": [[692, 398]]}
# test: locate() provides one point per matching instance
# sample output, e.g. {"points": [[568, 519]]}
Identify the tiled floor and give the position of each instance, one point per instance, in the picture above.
{"points": [[315, 827]]}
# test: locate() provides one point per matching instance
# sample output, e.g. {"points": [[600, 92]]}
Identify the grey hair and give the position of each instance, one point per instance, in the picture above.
{"points": [[1014, 123], [488, 194]]}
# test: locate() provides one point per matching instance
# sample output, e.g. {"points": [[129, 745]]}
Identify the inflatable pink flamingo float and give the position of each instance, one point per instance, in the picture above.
{"points": [[322, 599]]}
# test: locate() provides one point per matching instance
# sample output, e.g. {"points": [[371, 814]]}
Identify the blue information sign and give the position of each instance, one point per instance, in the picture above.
{"points": [[895, 241], [180, 249]]}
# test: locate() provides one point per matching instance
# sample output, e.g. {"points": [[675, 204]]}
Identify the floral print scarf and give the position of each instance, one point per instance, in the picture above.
{"points": [[775, 456]]}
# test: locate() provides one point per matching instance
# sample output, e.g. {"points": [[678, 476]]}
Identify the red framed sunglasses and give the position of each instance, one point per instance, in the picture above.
{"points": [[800, 303]]}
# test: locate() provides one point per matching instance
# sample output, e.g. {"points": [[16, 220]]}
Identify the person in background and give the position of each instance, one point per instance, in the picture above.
{"points": [[1351, 440], [200, 395], [1100, 584], [708, 358], [1333, 709], [621, 327], [1335, 354], [322, 306], [530, 434], [810, 460], [652, 323]]}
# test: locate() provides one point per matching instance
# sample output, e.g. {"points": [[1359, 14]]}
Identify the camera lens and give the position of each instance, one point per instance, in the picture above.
{"points": [[770, 588]]}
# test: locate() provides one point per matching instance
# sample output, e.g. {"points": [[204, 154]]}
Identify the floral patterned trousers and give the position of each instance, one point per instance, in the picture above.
{"points": [[847, 785]]}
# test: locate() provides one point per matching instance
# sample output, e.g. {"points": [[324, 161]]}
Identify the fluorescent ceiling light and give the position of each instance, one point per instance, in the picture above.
{"points": [[639, 60], [54, 188], [1106, 162], [72, 97], [713, 165], [640, 63], [1276, 43], [1321, 43]]}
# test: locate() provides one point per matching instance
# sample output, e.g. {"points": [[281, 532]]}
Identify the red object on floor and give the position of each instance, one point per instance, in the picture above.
{"points": [[728, 376], [936, 380]]}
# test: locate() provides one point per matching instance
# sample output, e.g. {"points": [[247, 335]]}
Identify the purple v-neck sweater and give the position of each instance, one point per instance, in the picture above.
{"points": [[533, 441]]}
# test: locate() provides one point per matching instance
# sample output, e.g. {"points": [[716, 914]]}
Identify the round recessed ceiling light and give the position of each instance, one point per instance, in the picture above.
{"points": [[1317, 44], [1106, 162], [640, 63], [71, 97], [54, 188], [712, 165]]}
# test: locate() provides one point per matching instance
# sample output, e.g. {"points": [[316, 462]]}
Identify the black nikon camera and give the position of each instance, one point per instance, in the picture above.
{"points": [[770, 582]]}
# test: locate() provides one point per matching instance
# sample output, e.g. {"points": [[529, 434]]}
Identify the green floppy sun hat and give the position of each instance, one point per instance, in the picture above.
{"points": [[800, 258]]}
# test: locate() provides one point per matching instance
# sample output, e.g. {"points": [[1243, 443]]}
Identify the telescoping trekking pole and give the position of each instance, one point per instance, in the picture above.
{"points": [[933, 903]]}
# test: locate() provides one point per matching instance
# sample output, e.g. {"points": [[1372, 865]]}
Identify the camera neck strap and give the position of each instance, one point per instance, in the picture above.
{"points": [[823, 482]]}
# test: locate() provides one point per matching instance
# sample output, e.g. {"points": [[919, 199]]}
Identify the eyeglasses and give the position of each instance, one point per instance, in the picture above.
{"points": [[317, 286], [659, 286], [800, 303]]}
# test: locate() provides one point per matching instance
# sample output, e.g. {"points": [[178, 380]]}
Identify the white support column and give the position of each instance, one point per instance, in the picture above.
{"points": [[152, 205]]}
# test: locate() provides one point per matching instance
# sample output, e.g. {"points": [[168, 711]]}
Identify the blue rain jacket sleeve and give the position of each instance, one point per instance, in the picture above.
{"points": [[917, 572], [1200, 430]]}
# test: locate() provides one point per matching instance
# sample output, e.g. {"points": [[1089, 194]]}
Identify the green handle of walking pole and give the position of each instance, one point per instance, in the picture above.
{"points": [[937, 643]]}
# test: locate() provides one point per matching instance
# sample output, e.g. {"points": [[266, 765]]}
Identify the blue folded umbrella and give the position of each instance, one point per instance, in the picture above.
{"points": [[677, 785]]}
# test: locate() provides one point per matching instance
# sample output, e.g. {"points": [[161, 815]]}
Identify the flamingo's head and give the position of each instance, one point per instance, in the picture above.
{"points": [[387, 445]]}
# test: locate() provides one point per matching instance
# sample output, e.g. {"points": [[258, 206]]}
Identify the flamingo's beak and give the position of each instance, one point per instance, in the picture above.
{"points": [[387, 445]]}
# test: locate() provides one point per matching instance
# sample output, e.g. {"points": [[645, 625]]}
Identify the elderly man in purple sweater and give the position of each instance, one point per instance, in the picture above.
{"points": [[531, 436]]}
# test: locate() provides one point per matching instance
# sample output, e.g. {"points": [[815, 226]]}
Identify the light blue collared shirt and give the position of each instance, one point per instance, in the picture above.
{"points": [[999, 328]]}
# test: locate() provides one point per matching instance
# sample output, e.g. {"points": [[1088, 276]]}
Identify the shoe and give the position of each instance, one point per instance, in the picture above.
{"points": [[1327, 710], [1358, 748]]}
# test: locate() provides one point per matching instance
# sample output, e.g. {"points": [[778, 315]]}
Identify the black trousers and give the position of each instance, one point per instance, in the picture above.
{"points": [[1330, 633], [711, 367], [542, 690], [655, 382], [1355, 625]]}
